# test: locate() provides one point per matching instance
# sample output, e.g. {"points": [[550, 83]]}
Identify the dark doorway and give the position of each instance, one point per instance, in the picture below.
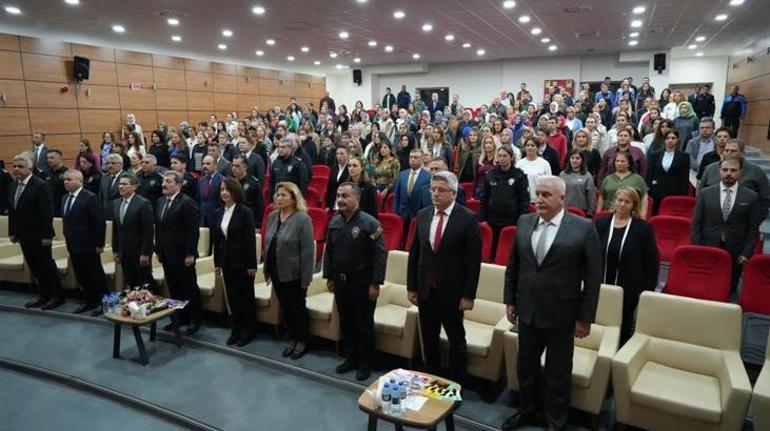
{"points": [[426, 94]]}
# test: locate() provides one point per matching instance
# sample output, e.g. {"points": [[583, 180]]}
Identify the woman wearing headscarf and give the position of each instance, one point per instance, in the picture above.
{"points": [[686, 123], [519, 123]]}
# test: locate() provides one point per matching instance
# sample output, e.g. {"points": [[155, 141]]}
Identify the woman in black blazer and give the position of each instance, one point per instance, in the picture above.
{"points": [[357, 174], [669, 171], [629, 254], [235, 258]]}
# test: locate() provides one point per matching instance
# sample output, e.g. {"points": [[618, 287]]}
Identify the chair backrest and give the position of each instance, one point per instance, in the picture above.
{"points": [[601, 213], [398, 295], [321, 171], [388, 205], [650, 205], [3, 226], [469, 192], [314, 198], [320, 183], [410, 234], [473, 205], [609, 312], [505, 244], [688, 320], [486, 242], [700, 272], [576, 211], [204, 242], [491, 283], [379, 201], [395, 271], [670, 233], [681, 206], [393, 227], [58, 228], [107, 233], [320, 223], [755, 294]]}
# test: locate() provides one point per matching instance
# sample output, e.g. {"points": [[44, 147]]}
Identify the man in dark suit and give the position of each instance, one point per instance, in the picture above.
{"points": [[223, 165], [727, 216], [338, 175], [84, 231], [132, 232], [189, 183], [150, 181], [388, 100], [40, 151], [404, 98], [253, 160], [443, 273], [54, 177], [435, 106], [176, 245], [408, 188], [255, 199], [30, 223], [108, 188], [552, 289], [208, 191], [426, 199]]}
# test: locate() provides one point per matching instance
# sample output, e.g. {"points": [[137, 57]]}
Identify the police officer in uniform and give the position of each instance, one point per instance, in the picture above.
{"points": [[251, 185], [54, 177], [150, 181], [354, 267], [189, 183], [287, 167]]}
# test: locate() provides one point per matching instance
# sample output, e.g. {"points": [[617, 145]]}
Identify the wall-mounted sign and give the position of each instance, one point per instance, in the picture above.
{"points": [[135, 86]]}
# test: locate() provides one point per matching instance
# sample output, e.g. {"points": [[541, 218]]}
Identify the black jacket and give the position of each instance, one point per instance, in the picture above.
{"points": [[160, 151], [150, 186], [256, 166], [675, 182], [255, 199], [239, 249], [133, 237], [176, 233], [291, 169], [331, 188], [32, 218], [84, 225], [505, 196]]}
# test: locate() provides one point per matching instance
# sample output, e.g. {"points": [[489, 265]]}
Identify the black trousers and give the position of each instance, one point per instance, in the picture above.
{"points": [[240, 296], [89, 274], [43, 268], [732, 124], [559, 345], [182, 284], [356, 320], [435, 313], [291, 296], [136, 275], [629, 312]]}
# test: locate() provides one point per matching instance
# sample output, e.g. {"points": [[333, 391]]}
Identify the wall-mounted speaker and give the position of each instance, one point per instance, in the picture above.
{"points": [[80, 68], [357, 76], [659, 62]]}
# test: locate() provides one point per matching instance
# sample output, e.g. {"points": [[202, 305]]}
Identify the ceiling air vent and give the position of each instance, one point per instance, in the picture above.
{"points": [[578, 9]]}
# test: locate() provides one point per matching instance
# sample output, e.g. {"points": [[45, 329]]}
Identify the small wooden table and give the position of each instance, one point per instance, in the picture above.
{"points": [[152, 320], [428, 417]]}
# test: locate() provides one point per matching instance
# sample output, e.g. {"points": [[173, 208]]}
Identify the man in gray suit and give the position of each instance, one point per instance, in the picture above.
{"points": [[727, 216], [40, 153], [108, 188], [552, 289], [223, 165]]}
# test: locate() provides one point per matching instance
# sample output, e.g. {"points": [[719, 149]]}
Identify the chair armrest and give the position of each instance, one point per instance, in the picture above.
{"points": [[259, 277], [204, 265], [59, 252], [317, 285], [503, 325], [10, 250], [610, 341], [384, 298], [627, 363], [734, 386]]}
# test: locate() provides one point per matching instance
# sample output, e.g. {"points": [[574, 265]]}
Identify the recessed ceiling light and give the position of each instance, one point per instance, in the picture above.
{"points": [[633, 42], [466, 45], [290, 58], [634, 34], [117, 28], [553, 48], [227, 33], [480, 52], [639, 10], [258, 10], [222, 46], [333, 54], [270, 42], [13, 10], [736, 2], [176, 38], [700, 38], [636, 23], [416, 56], [361, 1], [545, 39], [372, 43], [357, 60], [342, 66], [304, 49], [509, 4], [721, 17], [344, 35], [388, 48], [699, 54], [693, 46], [259, 53], [173, 21], [72, 2], [536, 31], [317, 63], [449, 37], [399, 14], [427, 27], [524, 19]]}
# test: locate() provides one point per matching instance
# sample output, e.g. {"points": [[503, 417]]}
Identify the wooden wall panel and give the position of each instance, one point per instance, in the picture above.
{"points": [[10, 65], [99, 120], [304, 90], [270, 102], [99, 97], [147, 118], [169, 79], [45, 68], [45, 46], [224, 69], [247, 71], [14, 121], [175, 100], [144, 99], [315, 79], [755, 88], [301, 77], [246, 102], [168, 62], [225, 83], [268, 87], [200, 101], [268, 74], [66, 143], [10, 146], [197, 65], [759, 112], [248, 85], [286, 76], [94, 52], [103, 73], [287, 89], [48, 95], [129, 73], [199, 81], [53, 121], [225, 102], [9, 42], [15, 94], [172, 118], [133, 57], [197, 116]]}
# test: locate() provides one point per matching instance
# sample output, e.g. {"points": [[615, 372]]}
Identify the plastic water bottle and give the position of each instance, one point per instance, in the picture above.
{"points": [[386, 398], [395, 402], [106, 303], [402, 392]]}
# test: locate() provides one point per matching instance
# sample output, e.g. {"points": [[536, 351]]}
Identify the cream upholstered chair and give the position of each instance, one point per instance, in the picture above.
{"points": [[592, 358], [682, 369], [760, 406], [395, 318], [324, 317], [204, 245], [268, 306], [13, 268]]}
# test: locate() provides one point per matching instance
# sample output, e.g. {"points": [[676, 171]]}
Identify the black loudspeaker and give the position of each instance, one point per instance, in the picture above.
{"points": [[660, 62], [357, 76], [80, 68]]}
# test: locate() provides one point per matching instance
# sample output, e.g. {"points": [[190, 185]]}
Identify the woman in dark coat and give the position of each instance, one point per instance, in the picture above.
{"points": [[669, 171]]}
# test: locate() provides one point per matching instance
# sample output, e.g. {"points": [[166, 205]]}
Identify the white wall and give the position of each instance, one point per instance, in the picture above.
{"points": [[686, 70]]}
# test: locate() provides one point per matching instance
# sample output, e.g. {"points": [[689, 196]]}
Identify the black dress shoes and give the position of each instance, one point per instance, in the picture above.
{"points": [[171, 326], [193, 328], [98, 312], [244, 340], [346, 366], [83, 308], [363, 373], [52, 304], [289, 349], [519, 420], [39, 302], [232, 340], [299, 351]]}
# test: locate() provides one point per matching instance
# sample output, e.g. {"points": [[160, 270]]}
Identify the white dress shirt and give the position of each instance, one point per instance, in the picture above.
{"points": [[556, 222], [340, 171], [434, 223], [74, 198], [226, 219], [723, 192]]}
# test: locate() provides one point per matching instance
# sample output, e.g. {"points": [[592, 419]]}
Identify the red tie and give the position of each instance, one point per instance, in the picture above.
{"points": [[439, 231], [207, 188]]}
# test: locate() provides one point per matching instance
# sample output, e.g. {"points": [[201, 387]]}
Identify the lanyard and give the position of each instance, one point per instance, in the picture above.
{"points": [[620, 252]]}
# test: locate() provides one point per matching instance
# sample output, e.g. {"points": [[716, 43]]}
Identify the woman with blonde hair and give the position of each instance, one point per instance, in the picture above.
{"points": [[289, 262], [583, 141]]}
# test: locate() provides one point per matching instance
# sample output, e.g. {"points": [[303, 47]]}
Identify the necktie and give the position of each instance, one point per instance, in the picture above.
{"points": [[410, 187], [68, 204], [123, 207], [19, 191], [114, 180], [727, 204], [165, 208], [207, 187], [540, 246], [439, 231]]}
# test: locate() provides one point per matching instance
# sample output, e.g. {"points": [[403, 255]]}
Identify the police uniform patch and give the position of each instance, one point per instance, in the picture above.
{"points": [[289, 168], [246, 186], [355, 232], [510, 181], [376, 234], [152, 183]]}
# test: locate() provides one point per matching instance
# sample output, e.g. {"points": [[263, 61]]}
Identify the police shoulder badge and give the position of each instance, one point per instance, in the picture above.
{"points": [[510, 181], [355, 232], [289, 168], [376, 234], [246, 186], [152, 183]]}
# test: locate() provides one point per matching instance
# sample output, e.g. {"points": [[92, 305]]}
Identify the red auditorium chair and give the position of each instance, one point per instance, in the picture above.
{"points": [[601, 213], [759, 248], [393, 230], [532, 208], [486, 242], [268, 209], [321, 171], [755, 294], [314, 198], [266, 191], [388, 205], [504, 245], [371, 113], [468, 187], [576, 211], [320, 220], [670, 233], [320, 183], [681, 206], [650, 204], [700, 272], [410, 235], [379, 201], [473, 205]]}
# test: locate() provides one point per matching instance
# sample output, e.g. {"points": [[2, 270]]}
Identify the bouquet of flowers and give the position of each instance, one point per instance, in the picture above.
{"points": [[139, 302]]}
